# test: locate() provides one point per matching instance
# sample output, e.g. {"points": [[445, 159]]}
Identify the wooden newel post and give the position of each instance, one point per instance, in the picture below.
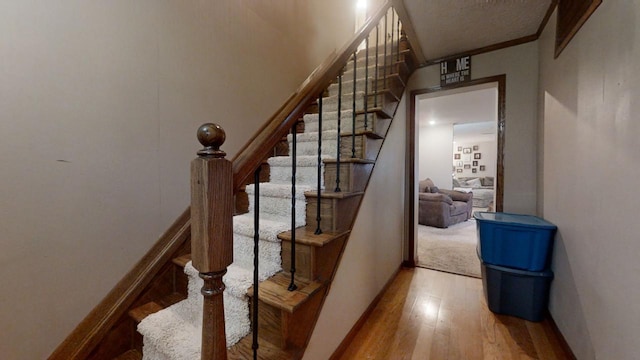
{"points": [[212, 233]]}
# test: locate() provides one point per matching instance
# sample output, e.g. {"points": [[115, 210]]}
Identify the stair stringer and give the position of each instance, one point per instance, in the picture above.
{"points": [[372, 253]]}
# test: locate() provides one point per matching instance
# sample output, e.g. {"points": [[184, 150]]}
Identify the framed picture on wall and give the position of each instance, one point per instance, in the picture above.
{"points": [[458, 170], [477, 156], [482, 168], [474, 170], [459, 148], [456, 156], [475, 163], [475, 147], [466, 150], [467, 166], [459, 164]]}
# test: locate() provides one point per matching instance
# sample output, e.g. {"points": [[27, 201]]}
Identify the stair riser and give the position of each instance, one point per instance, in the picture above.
{"points": [[271, 325], [365, 147], [353, 176], [287, 330], [336, 214], [313, 262]]}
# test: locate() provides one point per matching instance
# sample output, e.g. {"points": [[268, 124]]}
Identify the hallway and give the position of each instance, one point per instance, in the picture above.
{"points": [[426, 314]]}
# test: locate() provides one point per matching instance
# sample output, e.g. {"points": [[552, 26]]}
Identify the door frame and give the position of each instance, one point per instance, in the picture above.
{"points": [[410, 159]]}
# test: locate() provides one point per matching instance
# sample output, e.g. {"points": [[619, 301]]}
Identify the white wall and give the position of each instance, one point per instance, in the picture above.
{"points": [[520, 64], [435, 153], [374, 251], [591, 96], [100, 103], [489, 156]]}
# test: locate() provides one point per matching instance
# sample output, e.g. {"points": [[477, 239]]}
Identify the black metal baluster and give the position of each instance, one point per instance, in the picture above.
{"points": [[292, 284], [318, 218], [339, 126], [375, 99], [393, 31], [398, 44], [353, 123], [366, 80], [386, 40], [256, 239]]}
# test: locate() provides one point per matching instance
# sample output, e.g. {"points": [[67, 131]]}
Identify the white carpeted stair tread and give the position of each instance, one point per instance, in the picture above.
{"points": [[301, 161], [269, 255], [175, 333], [327, 134], [304, 175], [275, 200], [347, 86], [237, 279], [330, 121], [392, 56], [268, 189], [307, 143], [330, 103], [168, 336], [306, 171], [360, 71], [269, 229]]}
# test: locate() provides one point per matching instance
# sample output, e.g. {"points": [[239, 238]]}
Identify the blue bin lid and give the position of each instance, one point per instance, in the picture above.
{"points": [[513, 219]]}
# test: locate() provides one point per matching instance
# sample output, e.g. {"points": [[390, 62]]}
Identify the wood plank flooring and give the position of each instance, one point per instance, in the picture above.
{"points": [[427, 314]]}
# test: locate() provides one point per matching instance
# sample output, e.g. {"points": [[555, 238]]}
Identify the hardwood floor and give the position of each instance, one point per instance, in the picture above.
{"points": [[427, 314]]}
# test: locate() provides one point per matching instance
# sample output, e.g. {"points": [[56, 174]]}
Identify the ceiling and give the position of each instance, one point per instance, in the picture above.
{"points": [[451, 27]]}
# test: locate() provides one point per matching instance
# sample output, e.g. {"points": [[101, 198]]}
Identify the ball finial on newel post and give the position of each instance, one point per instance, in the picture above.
{"points": [[211, 136]]}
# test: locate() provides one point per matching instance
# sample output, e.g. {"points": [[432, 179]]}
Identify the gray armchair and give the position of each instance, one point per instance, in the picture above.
{"points": [[442, 208]]}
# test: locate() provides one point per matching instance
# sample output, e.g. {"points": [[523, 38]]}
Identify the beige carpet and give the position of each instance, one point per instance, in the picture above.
{"points": [[452, 250]]}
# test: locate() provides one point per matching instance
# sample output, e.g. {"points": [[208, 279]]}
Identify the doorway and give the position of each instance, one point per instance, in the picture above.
{"points": [[449, 163]]}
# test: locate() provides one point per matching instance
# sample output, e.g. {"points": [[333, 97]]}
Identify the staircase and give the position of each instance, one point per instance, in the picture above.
{"points": [[165, 320], [286, 317]]}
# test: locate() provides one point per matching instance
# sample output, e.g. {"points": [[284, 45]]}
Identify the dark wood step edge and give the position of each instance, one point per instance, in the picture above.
{"points": [[307, 236], [273, 291]]}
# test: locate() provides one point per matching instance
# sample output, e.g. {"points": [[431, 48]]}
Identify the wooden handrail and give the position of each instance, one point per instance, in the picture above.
{"points": [[251, 155]]}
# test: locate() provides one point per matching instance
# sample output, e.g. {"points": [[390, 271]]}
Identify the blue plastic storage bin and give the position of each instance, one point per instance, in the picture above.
{"points": [[520, 293], [514, 240]]}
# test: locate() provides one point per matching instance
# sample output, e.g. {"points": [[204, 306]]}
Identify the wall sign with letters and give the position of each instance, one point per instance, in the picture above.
{"points": [[455, 71]]}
